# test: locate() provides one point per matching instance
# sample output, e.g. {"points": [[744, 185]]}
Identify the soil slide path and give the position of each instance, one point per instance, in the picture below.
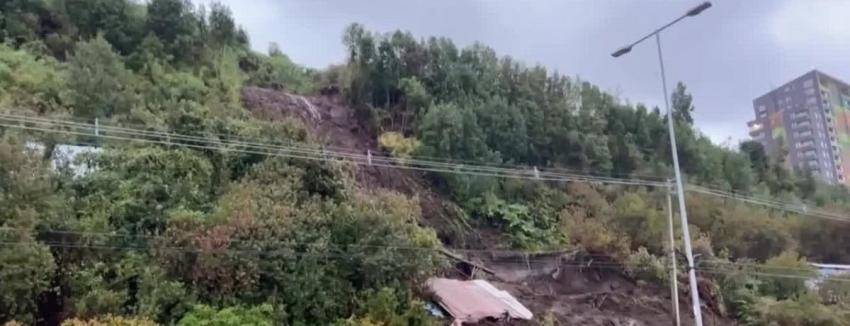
{"points": [[574, 291]]}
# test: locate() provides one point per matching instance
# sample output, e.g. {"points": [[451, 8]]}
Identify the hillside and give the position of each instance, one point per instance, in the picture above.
{"points": [[214, 197], [564, 285]]}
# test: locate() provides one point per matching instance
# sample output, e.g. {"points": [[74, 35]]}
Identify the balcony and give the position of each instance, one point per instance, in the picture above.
{"points": [[801, 124], [803, 134], [805, 144], [799, 115], [755, 129]]}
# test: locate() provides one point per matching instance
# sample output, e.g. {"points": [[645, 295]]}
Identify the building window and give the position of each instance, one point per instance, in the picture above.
{"points": [[808, 83]]}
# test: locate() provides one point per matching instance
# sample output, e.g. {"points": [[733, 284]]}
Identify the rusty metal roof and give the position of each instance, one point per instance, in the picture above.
{"points": [[472, 301]]}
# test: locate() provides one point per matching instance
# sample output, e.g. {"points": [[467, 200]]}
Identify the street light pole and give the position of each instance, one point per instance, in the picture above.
{"points": [[674, 280], [683, 212]]}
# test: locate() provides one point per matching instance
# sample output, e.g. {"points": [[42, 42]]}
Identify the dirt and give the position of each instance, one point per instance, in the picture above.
{"points": [[574, 291], [581, 291], [333, 124]]}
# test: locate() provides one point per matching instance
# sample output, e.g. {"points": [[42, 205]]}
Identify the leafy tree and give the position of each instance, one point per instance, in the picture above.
{"points": [[787, 263], [804, 312], [202, 315], [109, 320], [416, 100], [28, 82], [276, 71], [120, 22], [26, 271], [388, 307], [450, 130], [681, 104], [222, 29], [504, 128], [176, 25], [29, 198], [133, 190], [99, 85], [737, 170]]}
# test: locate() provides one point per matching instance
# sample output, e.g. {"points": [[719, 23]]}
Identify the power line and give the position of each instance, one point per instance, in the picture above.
{"points": [[128, 134], [278, 253], [394, 247], [308, 146], [801, 210], [530, 255]]}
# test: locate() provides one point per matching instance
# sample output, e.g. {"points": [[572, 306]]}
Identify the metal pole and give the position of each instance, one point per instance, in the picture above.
{"points": [[683, 212], [674, 282]]}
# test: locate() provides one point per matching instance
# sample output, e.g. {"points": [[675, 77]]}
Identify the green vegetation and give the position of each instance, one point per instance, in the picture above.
{"points": [[192, 236]]}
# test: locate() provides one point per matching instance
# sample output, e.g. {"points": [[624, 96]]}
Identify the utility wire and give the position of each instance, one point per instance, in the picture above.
{"points": [[301, 152], [347, 256], [206, 135], [797, 209], [530, 255], [128, 134]]}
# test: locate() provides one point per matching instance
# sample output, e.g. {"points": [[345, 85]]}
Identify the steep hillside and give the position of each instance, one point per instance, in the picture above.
{"points": [[333, 124], [188, 215], [574, 289]]}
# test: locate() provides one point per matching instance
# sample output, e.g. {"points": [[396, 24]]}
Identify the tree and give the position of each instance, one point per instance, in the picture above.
{"points": [[789, 262], [759, 160], [120, 22], [738, 171], [134, 189], [222, 29], [504, 128], [682, 104], [28, 82], [29, 198], [99, 84], [450, 130], [202, 315], [176, 25]]}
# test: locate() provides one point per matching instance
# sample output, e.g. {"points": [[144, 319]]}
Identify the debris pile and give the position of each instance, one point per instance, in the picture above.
{"points": [[476, 300]]}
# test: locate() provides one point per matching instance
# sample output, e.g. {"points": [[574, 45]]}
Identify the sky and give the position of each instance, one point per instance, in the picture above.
{"points": [[727, 56]]}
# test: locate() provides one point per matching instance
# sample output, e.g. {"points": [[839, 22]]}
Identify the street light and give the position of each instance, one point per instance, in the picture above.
{"points": [[683, 212]]}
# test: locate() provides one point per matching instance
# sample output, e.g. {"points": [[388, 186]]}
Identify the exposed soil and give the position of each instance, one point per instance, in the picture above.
{"points": [[575, 292], [581, 291], [334, 125]]}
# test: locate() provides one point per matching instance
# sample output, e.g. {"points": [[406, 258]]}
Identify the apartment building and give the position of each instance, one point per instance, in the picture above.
{"points": [[808, 121]]}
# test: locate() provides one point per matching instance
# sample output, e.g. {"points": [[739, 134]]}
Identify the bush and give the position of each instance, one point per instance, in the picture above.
{"points": [[527, 230], [803, 312], [740, 289], [391, 308], [594, 235], [398, 145], [203, 315], [645, 266], [109, 320], [835, 290], [787, 263]]}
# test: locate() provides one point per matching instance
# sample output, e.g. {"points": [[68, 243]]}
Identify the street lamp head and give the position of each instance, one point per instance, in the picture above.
{"points": [[622, 51], [698, 9]]}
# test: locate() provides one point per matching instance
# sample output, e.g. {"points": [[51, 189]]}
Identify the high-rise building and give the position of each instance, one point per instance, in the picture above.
{"points": [[807, 121]]}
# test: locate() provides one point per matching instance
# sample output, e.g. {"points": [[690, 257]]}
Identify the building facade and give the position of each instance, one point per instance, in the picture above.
{"points": [[807, 121]]}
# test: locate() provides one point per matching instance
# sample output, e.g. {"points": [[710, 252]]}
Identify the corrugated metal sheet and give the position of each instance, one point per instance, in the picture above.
{"points": [[472, 301]]}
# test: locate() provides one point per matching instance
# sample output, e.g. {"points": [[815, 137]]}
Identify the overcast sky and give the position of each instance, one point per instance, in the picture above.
{"points": [[727, 56]]}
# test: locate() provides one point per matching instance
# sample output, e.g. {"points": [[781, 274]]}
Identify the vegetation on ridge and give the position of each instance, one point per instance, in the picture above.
{"points": [[174, 235]]}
